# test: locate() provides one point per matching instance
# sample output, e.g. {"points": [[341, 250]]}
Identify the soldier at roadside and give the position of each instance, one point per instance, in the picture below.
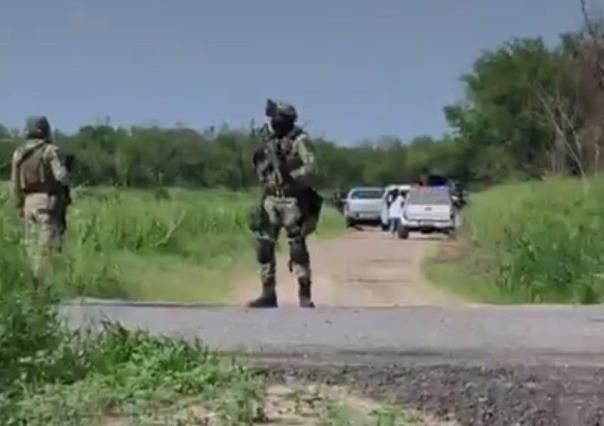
{"points": [[338, 200], [38, 182], [284, 165]]}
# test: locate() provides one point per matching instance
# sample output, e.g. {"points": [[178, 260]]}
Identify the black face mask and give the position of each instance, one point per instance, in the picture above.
{"points": [[281, 125]]}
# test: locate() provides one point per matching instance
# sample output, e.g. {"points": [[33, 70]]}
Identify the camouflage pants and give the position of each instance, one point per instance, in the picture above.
{"points": [[43, 235], [283, 213]]}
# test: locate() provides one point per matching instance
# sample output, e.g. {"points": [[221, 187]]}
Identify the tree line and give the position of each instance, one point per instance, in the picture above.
{"points": [[154, 156], [529, 110]]}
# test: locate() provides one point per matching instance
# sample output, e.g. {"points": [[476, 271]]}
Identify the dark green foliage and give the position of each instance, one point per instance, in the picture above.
{"points": [[154, 157]]}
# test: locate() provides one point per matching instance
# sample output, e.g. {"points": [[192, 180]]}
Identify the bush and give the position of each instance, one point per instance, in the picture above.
{"points": [[541, 241]]}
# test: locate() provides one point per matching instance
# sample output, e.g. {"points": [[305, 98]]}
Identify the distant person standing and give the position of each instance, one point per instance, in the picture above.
{"points": [[338, 200], [38, 182], [394, 211]]}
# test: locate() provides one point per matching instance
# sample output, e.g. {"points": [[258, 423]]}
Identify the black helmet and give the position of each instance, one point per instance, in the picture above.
{"points": [[282, 115], [282, 108], [38, 127]]}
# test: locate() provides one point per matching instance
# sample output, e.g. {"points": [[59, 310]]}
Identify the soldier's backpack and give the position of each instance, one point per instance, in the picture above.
{"points": [[34, 174]]}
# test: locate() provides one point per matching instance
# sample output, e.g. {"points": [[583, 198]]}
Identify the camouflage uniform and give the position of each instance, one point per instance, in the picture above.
{"points": [[290, 205], [38, 181]]}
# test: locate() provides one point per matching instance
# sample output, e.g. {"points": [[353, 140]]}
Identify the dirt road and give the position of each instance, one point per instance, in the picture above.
{"points": [[364, 268], [381, 329]]}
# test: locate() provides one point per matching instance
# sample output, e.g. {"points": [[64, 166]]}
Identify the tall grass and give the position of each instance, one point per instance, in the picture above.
{"points": [[175, 245], [541, 241]]}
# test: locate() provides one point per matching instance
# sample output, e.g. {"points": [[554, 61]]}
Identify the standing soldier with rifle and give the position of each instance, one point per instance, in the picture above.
{"points": [[38, 181], [284, 165]]}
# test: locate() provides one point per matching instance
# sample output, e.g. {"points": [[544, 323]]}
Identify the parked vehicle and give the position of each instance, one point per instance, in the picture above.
{"points": [[428, 210], [386, 202], [363, 205]]}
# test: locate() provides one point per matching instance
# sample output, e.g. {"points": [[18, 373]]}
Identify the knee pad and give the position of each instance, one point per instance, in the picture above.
{"points": [[298, 252], [265, 251]]}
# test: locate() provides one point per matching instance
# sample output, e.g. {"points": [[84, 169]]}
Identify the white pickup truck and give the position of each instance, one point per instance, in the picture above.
{"points": [[428, 210]]}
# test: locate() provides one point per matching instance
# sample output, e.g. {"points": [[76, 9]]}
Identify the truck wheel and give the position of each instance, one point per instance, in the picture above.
{"points": [[403, 233], [384, 227], [350, 223]]}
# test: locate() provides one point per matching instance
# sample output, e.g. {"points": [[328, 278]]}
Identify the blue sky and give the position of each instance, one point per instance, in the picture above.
{"points": [[354, 68]]}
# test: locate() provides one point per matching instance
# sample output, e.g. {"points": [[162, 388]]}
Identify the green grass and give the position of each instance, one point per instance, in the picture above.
{"points": [[131, 376], [170, 245], [459, 276], [536, 242], [52, 376], [338, 413]]}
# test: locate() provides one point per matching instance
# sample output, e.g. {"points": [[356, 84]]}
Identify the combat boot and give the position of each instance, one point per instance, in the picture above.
{"points": [[304, 295], [268, 298]]}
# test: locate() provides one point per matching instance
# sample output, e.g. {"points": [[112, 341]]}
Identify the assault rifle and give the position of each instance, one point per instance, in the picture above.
{"points": [[269, 151], [69, 159]]}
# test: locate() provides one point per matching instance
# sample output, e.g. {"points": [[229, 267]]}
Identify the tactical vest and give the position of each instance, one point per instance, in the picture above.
{"points": [[35, 173], [284, 147], [286, 143]]}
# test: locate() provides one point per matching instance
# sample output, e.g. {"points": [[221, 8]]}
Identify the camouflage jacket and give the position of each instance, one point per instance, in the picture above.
{"points": [[37, 167], [294, 159]]}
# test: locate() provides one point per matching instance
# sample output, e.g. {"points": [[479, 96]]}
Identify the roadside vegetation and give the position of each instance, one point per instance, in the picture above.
{"points": [[51, 376], [530, 242], [532, 113]]}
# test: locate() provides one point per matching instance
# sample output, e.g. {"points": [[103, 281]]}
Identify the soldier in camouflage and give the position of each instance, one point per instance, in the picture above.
{"points": [[38, 182], [284, 165]]}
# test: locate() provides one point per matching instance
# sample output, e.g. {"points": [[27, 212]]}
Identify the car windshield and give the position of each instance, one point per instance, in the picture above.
{"points": [[426, 196], [366, 194]]}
